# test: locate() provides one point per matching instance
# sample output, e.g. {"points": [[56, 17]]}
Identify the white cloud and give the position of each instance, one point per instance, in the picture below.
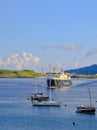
{"points": [[91, 52], [36, 60], [24, 54], [19, 64], [1, 62], [20, 61], [66, 47]]}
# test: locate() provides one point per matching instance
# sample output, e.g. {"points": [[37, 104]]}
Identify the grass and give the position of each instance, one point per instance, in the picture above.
{"points": [[87, 76], [20, 74]]}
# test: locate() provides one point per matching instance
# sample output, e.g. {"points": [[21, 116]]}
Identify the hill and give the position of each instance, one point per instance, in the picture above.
{"points": [[88, 70], [19, 74]]}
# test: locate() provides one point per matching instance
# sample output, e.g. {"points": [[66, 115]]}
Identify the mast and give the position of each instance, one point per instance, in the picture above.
{"points": [[34, 94], [50, 81], [90, 97]]}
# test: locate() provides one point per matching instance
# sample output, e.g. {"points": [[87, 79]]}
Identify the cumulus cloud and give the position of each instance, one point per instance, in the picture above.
{"points": [[20, 61], [91, 52], [1, 62], [36, 60]]}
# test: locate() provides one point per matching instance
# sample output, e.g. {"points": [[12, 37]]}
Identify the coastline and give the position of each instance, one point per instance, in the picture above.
{"points": [[33, 74], [20, 74]]}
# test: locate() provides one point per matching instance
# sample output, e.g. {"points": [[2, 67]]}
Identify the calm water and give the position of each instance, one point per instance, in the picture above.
{"points": [[18, 113]]}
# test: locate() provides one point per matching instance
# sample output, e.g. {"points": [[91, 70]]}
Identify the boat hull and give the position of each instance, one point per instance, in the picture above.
{"points": [[86, 109], [39, 97], [58, 83], [46, 103]]}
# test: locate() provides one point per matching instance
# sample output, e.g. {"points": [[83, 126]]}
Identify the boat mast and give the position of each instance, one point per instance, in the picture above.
{"points": [[50, 81], [90, 97], [34, 88]]}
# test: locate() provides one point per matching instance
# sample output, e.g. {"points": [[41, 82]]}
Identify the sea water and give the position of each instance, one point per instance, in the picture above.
{"points": [[18, 113]]}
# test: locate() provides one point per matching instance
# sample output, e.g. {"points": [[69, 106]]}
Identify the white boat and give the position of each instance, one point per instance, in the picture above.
{"points": [[58, 79], [48, 102], [86, 109], [38, 96]]}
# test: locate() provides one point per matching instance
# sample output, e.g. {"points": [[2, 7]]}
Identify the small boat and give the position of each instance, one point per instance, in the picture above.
{"points": [[46, 103], [38, 97], [86, 109]]}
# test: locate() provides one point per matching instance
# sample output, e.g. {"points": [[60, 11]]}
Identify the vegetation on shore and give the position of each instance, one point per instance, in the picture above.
{"points": [[20, 74], [33, 74], [85, 76]]}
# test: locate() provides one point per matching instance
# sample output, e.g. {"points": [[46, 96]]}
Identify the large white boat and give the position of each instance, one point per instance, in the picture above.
{"points": [[58, 79]]}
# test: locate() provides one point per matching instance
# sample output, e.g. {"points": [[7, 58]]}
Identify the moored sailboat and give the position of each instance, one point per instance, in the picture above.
{"points": [[38, 96], [86, 109], [49, 102]]}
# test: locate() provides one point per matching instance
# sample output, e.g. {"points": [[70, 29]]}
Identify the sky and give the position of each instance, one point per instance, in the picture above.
{"points": [[37, 33]]}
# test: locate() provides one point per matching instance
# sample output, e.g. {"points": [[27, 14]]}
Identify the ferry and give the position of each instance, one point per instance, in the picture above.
{"points": [[58, 79]]}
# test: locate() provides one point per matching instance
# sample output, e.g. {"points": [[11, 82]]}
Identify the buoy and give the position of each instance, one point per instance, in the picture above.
{"points": [[73, 123]]}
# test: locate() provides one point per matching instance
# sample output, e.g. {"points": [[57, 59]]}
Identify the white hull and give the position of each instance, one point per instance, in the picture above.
{"points": [[46, 103]]}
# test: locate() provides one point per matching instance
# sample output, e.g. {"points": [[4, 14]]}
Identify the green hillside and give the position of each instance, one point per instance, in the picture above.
{"points": [[19, 74]]}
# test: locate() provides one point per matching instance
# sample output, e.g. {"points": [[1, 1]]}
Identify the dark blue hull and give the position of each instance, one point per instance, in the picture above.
{"points": [[86, 110], [58, 83]]}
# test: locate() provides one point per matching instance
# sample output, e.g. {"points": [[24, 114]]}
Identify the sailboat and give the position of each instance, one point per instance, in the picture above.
{"points": [[49, 102], [86, 109], [38, 96]]}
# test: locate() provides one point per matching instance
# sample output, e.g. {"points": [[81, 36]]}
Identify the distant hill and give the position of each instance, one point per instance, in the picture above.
{"points": [[85, 70], [20, 74]]}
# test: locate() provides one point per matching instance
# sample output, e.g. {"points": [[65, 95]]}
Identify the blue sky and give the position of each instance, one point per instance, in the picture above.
{"points": [[36, 33]]}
